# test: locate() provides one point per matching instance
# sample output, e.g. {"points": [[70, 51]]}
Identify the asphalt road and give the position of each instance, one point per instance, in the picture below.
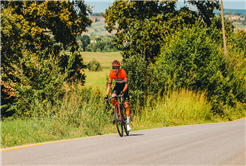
{"points": [[207, 144]]}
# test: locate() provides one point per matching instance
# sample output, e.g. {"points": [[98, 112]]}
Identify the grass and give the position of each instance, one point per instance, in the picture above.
{"points": [[97, 80], [83, 112], [181, 108]]}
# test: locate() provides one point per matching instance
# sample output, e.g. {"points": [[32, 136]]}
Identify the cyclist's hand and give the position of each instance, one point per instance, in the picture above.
{"points": [[106, 98], [122, 93]]}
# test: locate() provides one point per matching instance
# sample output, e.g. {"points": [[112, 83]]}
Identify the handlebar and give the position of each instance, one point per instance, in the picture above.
{"points": [[115, 97]]}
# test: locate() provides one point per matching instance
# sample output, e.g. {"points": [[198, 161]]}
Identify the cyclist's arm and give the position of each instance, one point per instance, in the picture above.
{"points": [[108, 89], [125, 87]]}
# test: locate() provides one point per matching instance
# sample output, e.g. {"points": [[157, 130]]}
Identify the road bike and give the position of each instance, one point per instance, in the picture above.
{"points": [[120, 115]]}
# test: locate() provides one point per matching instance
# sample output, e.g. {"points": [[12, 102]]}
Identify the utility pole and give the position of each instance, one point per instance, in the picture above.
{"points": [[242, 24], [230, 22], [236, 24], [223, 28]]}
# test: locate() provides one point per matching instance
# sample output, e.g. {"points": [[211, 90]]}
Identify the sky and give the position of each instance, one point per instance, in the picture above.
{"points": [[101, 5]]}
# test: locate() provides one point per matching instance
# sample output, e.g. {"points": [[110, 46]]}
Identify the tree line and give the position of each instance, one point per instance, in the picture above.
{"points": [[96, 44]]}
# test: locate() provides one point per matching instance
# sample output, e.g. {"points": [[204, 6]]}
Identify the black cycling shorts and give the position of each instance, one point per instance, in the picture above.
{"points": [[118, 88]]}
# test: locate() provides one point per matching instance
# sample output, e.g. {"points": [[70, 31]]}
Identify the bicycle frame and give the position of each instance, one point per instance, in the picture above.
{"points": [[118, 105]]}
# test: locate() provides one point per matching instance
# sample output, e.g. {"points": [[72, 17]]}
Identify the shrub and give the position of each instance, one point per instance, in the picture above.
{"points": [[94, 65], [236, 44], [39, 80], [98, 50], [192, 59]]}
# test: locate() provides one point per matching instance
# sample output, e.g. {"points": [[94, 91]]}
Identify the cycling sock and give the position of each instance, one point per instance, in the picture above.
{"points": [[128, 119]]}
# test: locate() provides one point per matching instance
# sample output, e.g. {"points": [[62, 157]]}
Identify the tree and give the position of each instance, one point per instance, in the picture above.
{"points": [[26, 45], [205, 9], [85, 41], [30, 20], [97, 20], [95, 14], [143, 26]]}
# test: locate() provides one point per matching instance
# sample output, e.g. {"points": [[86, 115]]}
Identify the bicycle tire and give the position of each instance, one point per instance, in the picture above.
{"points": [[118, 122], [123, 111]]}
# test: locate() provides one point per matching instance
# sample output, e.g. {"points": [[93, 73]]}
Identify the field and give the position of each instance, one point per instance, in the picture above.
{"points": [[105, 58], [98, 79]]}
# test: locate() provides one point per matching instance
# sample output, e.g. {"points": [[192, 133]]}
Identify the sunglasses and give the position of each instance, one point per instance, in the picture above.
{"points": [[115, 67]]}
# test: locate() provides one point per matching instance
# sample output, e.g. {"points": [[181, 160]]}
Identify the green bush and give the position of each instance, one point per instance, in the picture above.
{"points": [[88, 49], [236, 44], [39, 80], [94, 65], [192, 59], [39, 77]]}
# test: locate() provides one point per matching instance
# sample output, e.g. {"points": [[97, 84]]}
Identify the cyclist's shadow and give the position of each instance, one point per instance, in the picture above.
{"points": [[135, 135]]}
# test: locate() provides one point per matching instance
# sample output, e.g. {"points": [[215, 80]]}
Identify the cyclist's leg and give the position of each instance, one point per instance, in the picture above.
{"points": [[127, 109], [113, 100], [126, 98], [116, 92]]}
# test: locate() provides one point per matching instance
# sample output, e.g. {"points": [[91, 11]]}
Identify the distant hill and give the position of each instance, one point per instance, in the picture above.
{"points": [[98, 26], [233, 11], [95, 14]]}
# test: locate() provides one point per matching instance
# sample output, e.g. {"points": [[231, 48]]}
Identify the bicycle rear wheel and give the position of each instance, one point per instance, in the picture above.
{"points": [[123, 110], [118, 122]]}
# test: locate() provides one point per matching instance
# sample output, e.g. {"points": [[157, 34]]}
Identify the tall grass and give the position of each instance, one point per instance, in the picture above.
{"points": [[179, 108], [83, 112]]}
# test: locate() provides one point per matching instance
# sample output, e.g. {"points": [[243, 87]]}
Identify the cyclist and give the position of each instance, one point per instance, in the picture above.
{"points": [[121, 87]]}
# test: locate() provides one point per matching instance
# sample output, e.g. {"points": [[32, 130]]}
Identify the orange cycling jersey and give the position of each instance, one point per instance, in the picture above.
{"points": [[120, 77]]}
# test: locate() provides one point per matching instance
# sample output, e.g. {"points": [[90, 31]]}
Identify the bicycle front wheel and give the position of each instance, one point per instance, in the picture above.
{"points": [[118, 122]]}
